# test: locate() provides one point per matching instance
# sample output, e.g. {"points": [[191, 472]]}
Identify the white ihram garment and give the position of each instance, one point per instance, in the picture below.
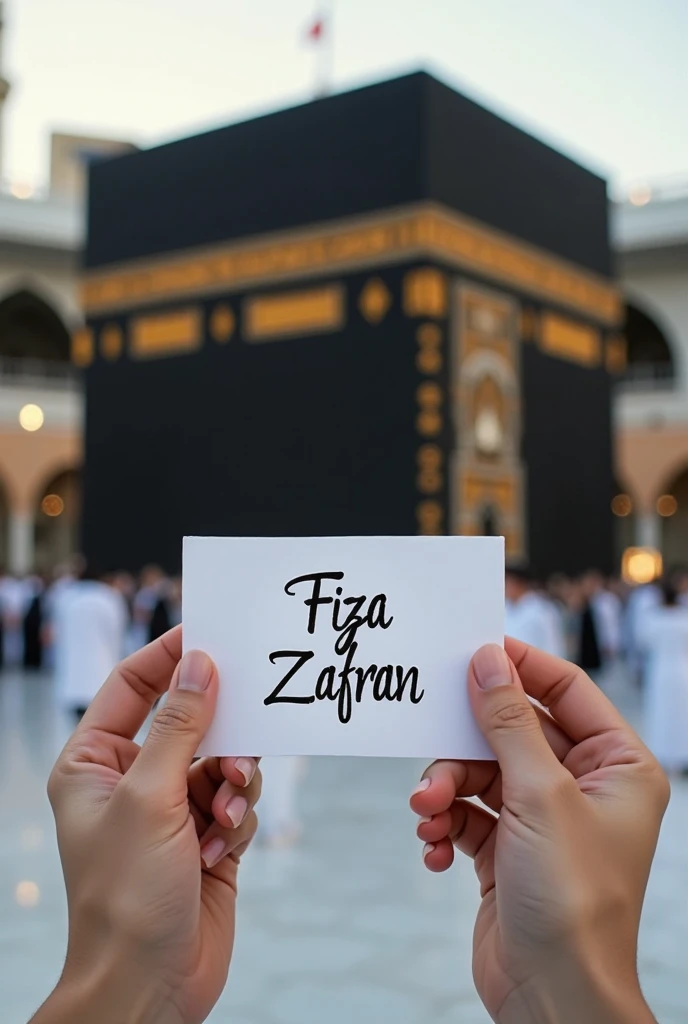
{"points": [[664, 635], [90, 622]]}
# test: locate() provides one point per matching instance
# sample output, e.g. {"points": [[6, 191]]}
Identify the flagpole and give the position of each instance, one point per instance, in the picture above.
{"points": [[326, 56]]}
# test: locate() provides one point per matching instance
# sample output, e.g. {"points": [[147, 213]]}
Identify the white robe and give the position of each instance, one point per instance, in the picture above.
{"points": [[90, 622], [664, 637], [536, 621]]}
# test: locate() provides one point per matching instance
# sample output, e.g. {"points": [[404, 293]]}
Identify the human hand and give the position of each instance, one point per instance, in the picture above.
{"points": [[562, 847], [151, 878]]}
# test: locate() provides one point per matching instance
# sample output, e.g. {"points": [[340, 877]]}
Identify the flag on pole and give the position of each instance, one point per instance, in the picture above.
{"points": [[316, 31]]}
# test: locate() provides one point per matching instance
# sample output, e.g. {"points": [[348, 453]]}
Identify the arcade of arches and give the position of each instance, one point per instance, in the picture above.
{"points": [[39, 478], [651, 505]]}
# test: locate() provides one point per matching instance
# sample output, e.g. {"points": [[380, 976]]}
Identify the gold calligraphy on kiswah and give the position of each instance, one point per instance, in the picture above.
{"points": [[428, 231]]}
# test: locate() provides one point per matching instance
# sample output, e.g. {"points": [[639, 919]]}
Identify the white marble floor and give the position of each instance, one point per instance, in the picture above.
{"points": [[349, 926]]}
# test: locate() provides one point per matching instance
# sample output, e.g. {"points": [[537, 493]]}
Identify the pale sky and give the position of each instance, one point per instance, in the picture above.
{"points": [[604, 80]]}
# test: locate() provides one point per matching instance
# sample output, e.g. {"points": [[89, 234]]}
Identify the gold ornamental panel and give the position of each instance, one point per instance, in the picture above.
{"points": [[222, 323], [166, 334], [430, 517], [312, 311], [375, 300], [111, 342], [425, 293], [429, 423], [83, 347], [568, 339], [616, 355]]}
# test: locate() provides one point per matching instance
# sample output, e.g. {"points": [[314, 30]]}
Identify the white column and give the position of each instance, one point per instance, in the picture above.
{"points": [[648, 531], [21, 543]]}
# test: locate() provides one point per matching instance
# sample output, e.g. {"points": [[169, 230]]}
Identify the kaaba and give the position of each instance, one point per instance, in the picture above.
{"points": [[388, 311]]}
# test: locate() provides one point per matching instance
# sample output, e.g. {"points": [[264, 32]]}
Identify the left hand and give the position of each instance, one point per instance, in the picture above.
{"points": [[150, 845]]}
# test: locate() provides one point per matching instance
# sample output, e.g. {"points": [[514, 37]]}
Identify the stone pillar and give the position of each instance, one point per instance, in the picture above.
{"points": [[21, 542], [649, 530]]}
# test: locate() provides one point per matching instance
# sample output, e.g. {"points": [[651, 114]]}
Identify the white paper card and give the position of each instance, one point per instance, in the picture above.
{"points": [[345, 645]]}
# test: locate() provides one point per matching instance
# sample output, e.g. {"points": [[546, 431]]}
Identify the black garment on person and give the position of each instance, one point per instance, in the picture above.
{"points": [[160, 620], [588, 647], [33, 647]]}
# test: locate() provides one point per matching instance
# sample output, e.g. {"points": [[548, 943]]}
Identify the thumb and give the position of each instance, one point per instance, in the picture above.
{"points": [[509, 723], [180, 724]]}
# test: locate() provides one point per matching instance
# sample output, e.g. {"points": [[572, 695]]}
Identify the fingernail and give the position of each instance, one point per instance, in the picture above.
{"points": [[247, 767], [236, 810], [491, 667], [428, 849], [213, 852], [195, 671], [423, 786]]}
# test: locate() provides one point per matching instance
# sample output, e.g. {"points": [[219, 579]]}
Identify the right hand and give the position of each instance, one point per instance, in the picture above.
{"points": [[563, 850]]}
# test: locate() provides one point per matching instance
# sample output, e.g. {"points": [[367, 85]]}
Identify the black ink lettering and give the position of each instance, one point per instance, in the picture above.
{"points": [[315, 599], [402, 680], [362, 676], [381, 686], [324, 686], [302, 657], [350, 624], [416, 697], [379, 605]]}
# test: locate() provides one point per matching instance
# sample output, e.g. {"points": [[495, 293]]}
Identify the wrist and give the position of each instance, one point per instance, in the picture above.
{"points": [[109, 994], [570, 993]]}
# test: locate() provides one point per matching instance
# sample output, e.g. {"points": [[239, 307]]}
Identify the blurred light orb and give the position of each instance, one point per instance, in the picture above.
{"points": [[27, 894], [641, 565], [667, 505], [640, 194], [21, 190], [52, 505], [622, 505], [31, 417]]}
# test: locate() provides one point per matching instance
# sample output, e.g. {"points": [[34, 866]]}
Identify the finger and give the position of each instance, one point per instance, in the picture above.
{"points": [[231, 805], [239, 770], [451, 779], [443, 781], [431, 830], [455, 824], [438, 856], [577, 704], [204, 779], [510, 724], [125, 700], [218, 842], [178, 727]]}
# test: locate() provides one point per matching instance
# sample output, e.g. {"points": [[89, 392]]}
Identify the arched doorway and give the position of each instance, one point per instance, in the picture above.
{"points": [[649, 357], [58, 515], [672, 506], [31, 333]]}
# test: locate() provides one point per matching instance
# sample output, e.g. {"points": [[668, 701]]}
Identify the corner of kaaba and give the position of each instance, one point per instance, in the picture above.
{"points": [[383, 312]]}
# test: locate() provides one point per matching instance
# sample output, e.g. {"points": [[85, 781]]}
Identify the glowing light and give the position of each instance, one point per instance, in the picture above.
{"points": [[641, 565], [667, 505], [27, 894], [21, 190], [622, 505], [52, 505], [31, 417], [640, 194]]}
